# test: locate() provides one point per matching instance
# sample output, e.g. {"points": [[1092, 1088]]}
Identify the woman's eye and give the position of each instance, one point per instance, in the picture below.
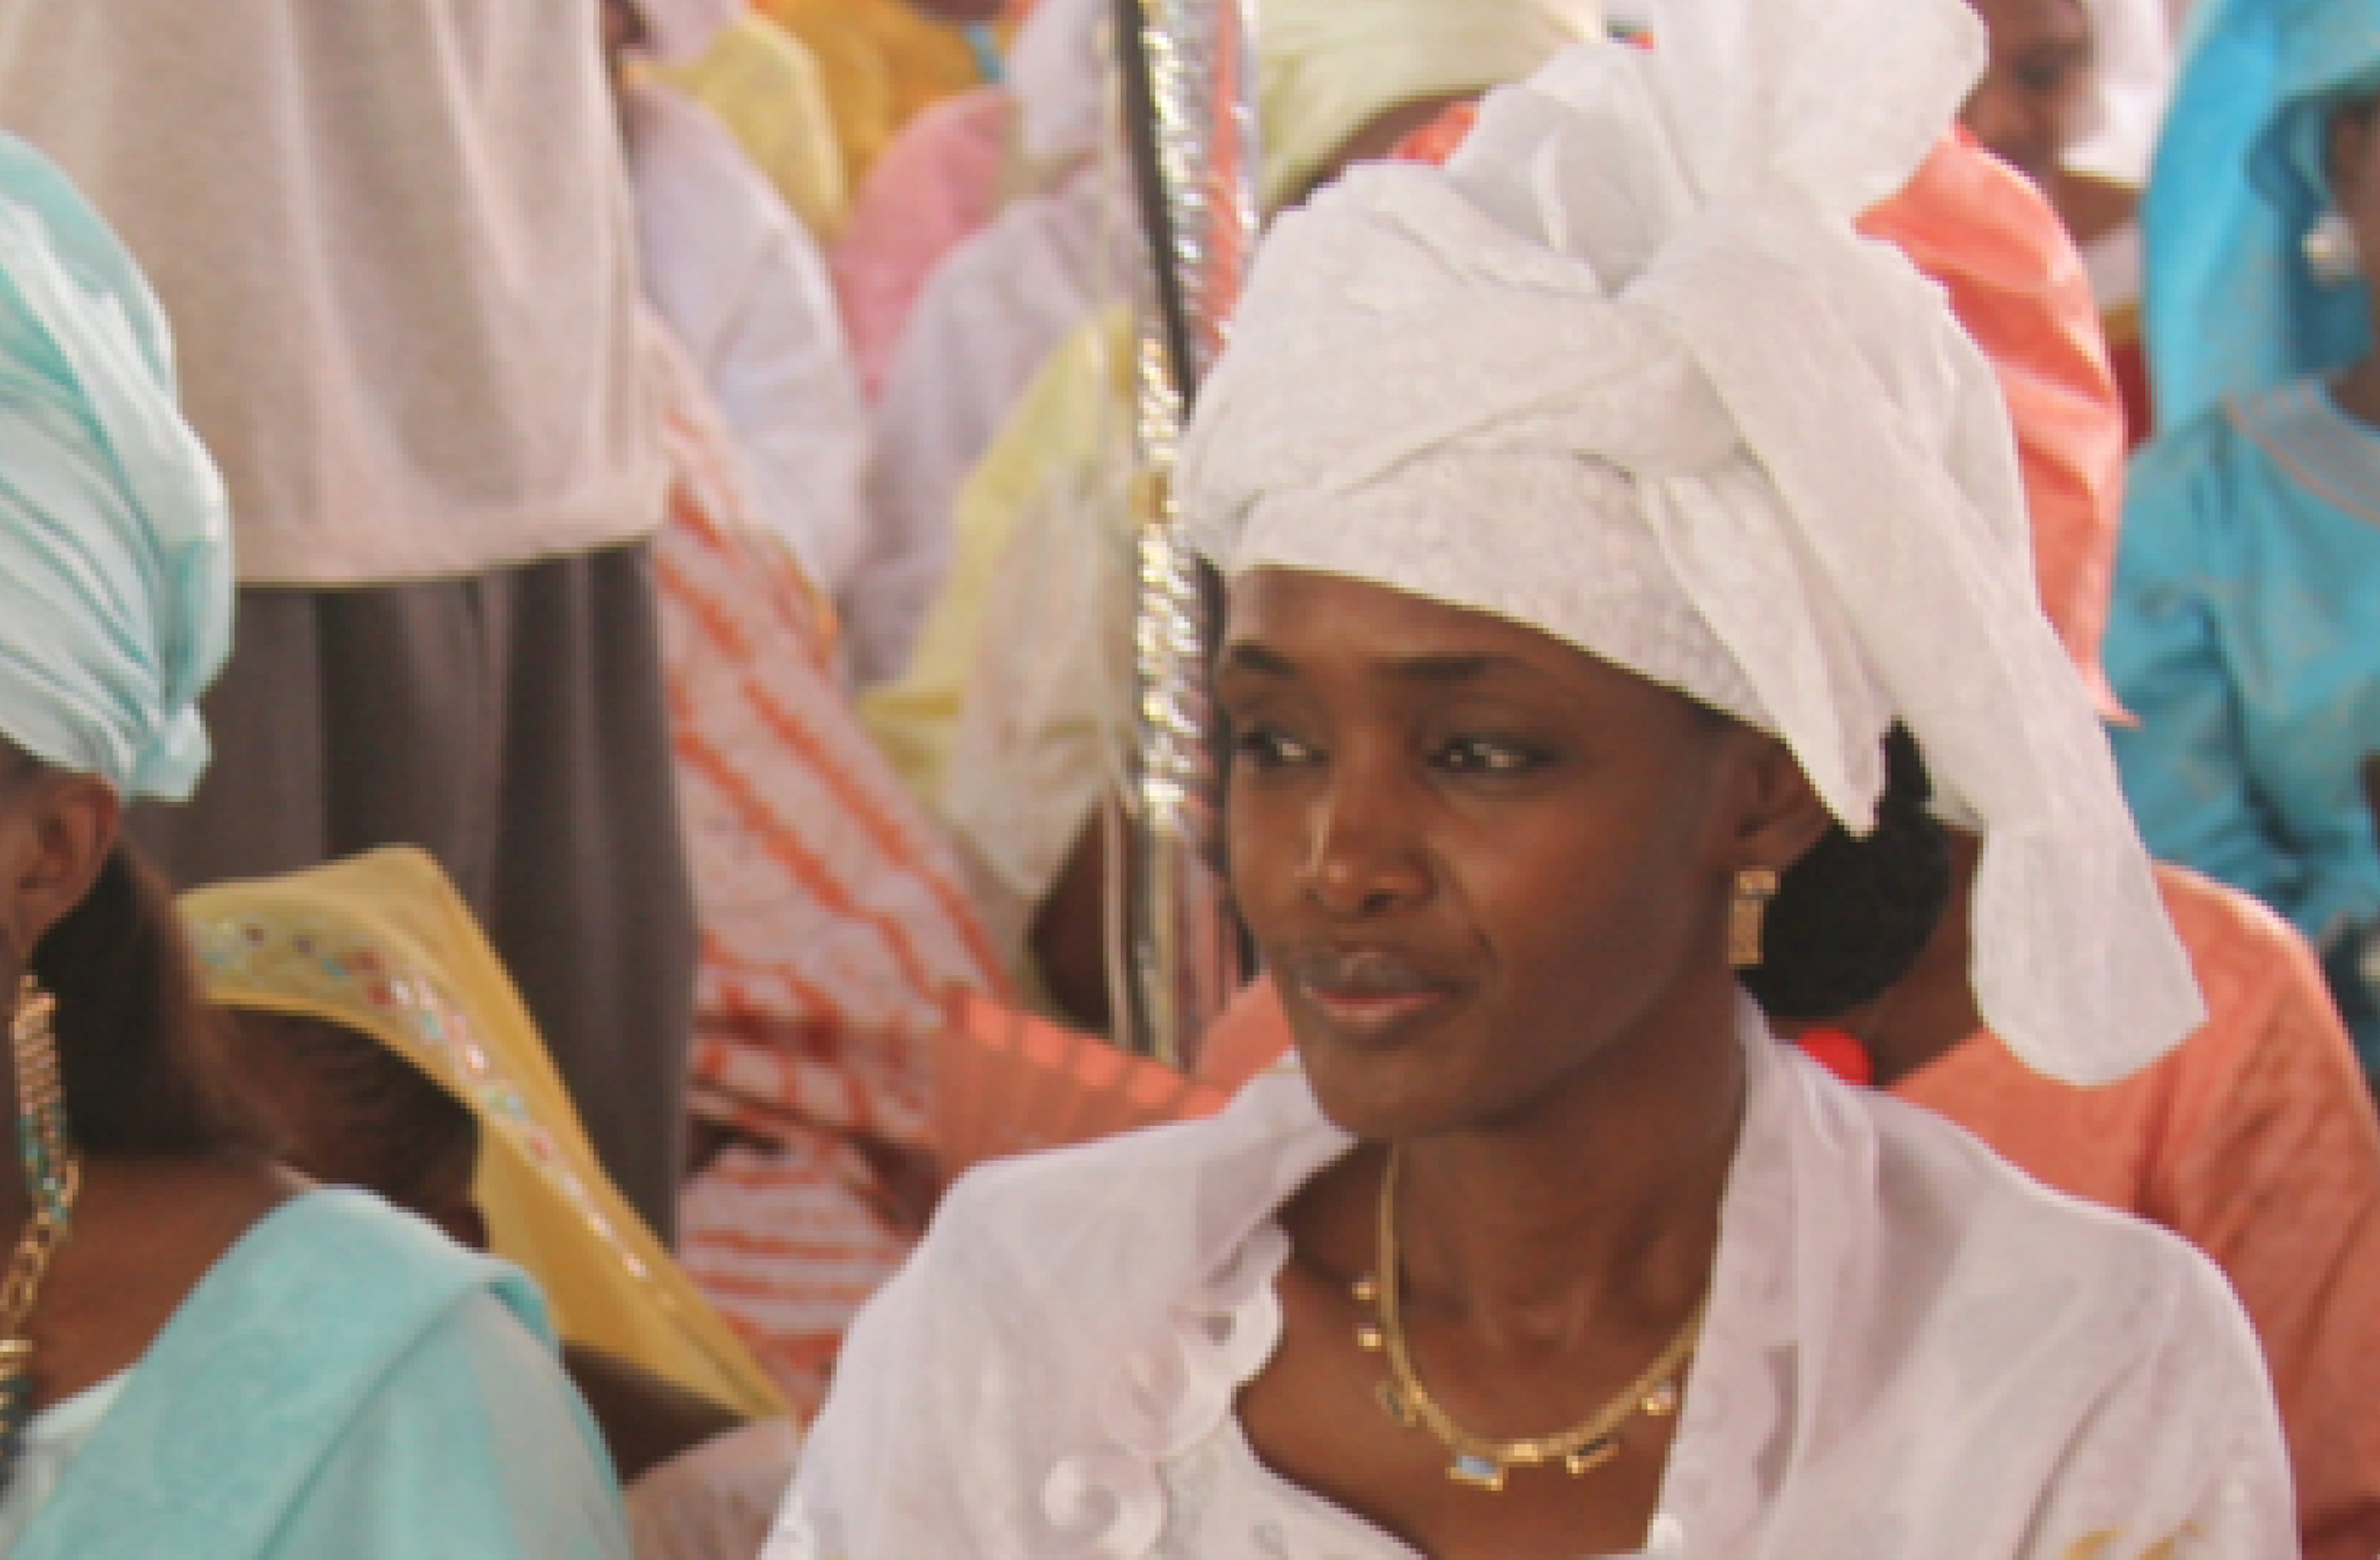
{"points": [[1269, 747], [1486, 756], [2044, 78]]}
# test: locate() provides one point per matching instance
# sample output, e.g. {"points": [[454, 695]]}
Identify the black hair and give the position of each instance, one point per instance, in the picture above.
{"points": [[1851, 918], [370, 1116], [140, 1051]]}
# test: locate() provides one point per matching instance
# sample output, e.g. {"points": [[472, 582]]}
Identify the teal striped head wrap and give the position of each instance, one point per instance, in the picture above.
{"points": [[116, 566]]}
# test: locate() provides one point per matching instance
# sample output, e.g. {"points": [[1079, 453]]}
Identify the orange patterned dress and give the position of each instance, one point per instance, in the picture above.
{"points": [[834, 931]]}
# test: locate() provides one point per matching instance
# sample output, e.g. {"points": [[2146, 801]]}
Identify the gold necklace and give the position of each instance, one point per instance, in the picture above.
{"points": [[1483, 1462], [55, 1173]]}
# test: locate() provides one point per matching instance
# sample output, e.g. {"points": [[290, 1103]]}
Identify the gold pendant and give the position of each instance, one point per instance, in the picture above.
{"points": [[1592, 1456], [1479, 1472]]}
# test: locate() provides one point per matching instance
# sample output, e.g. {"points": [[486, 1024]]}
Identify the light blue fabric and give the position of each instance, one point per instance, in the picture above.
{"points": [[115, 568], [346, 1383], [2230, 307], [2245, 636]]}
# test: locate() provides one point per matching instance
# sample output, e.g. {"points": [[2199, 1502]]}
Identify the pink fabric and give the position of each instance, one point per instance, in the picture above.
{"points": [[1975, 226], [937, 185]]}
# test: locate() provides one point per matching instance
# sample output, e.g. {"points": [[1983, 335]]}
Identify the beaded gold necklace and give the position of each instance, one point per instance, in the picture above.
{"points": [[53, 1178], [1480, 1461]]}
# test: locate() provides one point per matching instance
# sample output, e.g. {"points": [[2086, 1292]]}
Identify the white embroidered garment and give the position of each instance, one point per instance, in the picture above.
{"points": [[1221, 1499], [1624, 371], [744, 289], [1912, 1353]]}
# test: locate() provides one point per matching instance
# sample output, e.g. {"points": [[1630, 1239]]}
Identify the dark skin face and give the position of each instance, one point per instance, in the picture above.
{"points": [[1069, 929], [2354, 159], [1491, 873], [145, 1231], [2029, 103]]}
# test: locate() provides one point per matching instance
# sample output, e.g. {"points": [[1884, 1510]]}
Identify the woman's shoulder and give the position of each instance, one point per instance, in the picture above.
{"points": [[1955, 1215], [1054, 1213], [2251, 460]]}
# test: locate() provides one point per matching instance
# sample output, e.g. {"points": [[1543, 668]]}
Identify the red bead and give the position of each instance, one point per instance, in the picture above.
{"points": [[1839, 1053]]}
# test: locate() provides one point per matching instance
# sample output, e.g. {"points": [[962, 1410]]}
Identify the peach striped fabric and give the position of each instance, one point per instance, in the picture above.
{"points": [[833, 930]]}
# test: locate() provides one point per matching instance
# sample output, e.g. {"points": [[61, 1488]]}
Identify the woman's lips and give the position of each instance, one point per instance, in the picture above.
{"points": [[1368, 993]]}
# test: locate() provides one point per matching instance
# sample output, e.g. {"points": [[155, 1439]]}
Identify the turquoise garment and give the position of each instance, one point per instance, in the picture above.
{"points": [[2245, 636], [2230, 307], [116, 569], [345, 1383]]}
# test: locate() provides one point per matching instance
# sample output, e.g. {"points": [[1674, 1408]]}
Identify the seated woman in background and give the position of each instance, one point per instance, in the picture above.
{"points": [[1560, 623], [378, 1035], [2250, 578], [210, 1360]]}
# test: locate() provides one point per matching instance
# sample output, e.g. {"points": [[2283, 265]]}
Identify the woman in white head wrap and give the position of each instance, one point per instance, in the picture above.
{"points": [[199, 1355], [1591, 511]]}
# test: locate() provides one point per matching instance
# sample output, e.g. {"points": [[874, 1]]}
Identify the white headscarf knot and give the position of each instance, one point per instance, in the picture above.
{"points": [[1625, 372]]}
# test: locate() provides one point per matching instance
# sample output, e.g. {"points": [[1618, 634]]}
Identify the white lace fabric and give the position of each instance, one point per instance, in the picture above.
{"points": [[1912, 1353], [1625, 372]]}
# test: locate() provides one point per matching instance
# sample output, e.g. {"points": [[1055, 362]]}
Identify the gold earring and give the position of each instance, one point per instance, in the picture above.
{"points": [[1747, 917]]}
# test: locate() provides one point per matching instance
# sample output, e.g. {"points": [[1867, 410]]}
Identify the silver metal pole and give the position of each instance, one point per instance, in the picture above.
{"points": [[1190, 78]]}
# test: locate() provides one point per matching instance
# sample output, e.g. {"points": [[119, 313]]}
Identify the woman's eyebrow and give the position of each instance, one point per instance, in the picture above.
{"points": [[1454, 667], [1248, 656]]}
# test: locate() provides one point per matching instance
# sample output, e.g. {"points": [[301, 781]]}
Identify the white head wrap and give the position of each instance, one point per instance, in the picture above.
{"points": [[681, 31], [2132, 77], [1332, 66], [116, 566], [1625, 372]]}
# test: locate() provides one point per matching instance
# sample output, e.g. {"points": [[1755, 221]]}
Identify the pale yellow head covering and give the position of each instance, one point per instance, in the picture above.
{"points": [[1332, 66], [382, 944]]}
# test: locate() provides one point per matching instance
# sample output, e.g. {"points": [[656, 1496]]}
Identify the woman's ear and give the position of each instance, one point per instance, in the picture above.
{"points": [[1779, 815]]}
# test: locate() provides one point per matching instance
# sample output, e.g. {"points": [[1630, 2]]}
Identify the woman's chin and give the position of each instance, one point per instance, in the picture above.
{"points": [[1383, 1099]]}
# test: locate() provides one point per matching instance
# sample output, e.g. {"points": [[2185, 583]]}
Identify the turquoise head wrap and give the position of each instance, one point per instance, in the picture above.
{"points": [[2231, 306], [115, 585]]}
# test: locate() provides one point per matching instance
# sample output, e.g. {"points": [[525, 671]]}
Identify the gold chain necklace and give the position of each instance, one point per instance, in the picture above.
{"points": [[1482, 1461], [54, 1176]]}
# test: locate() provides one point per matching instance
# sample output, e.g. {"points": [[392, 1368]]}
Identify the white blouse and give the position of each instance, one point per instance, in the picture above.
{"points": [[1221, 1499], [1912, 1353], [54, 1438]]}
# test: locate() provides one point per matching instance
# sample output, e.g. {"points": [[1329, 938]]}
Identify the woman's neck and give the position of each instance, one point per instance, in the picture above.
{"points": [[1602, 1204], [1931, 1010], [2357, 391]]}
